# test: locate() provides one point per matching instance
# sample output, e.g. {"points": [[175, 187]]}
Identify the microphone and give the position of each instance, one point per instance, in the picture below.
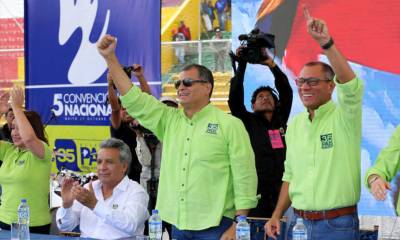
{"points": [[52, 117]]}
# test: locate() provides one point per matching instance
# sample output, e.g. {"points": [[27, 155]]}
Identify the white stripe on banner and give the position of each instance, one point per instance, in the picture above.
{"points": [[74, 86]]}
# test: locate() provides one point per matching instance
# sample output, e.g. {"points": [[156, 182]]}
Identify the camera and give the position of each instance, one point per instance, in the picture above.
{"points": [[253, 43], [128, 70]]}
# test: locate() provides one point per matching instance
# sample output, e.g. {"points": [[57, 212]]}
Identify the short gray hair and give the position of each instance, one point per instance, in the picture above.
{"points": [[125, 155]]}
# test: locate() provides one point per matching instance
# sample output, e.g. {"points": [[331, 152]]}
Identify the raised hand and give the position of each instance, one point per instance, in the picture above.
{"points": [[17, 97], [4, 97], [317, 28], [66, 192], [137, 70], [106, 46]]}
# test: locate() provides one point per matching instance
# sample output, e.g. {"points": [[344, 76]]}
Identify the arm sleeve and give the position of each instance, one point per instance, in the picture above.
{"points": [[130, 217], [242, 163], [143, 152], [285, 92], [387, 164], [151, 113], [236, 93], [287, 174], [350, 99], [68, 218]]}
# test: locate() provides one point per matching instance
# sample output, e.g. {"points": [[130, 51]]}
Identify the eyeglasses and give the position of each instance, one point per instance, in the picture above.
{"points": [[188, 82], [310, 81]]}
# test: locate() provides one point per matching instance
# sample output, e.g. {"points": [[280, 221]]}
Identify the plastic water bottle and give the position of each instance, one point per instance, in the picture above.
{"points": [[299, 230], [155, 226], [23, 220], [242, 228]]}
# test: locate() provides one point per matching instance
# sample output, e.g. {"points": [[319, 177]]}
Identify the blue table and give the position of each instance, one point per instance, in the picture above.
{"points": [[4, 234]]}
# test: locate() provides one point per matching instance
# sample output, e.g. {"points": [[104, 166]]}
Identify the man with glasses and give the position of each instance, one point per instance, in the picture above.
{"points": [[207, 169], [322, 168]]}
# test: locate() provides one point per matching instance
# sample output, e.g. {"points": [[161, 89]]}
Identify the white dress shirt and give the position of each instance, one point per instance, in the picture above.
{"points": [[121, 215]]}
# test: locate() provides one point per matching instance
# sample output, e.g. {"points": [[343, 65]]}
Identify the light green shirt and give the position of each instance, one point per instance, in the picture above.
{"points": [[207, 167], [387, 165], [323, 155], [24, 175]]}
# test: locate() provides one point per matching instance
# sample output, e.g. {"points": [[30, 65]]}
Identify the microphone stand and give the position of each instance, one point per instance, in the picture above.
{"points": [[153, 181], [52, 117]]}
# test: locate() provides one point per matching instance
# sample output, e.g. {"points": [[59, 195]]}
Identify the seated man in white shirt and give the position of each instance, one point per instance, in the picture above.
{"points": [[109, 208]]}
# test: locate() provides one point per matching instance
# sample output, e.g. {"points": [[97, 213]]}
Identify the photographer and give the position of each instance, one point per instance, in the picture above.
{"points": [[121, 121], [266, 126]]}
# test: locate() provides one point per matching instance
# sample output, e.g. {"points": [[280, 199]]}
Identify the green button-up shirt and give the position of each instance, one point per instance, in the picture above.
{"points": [[207, 166], [387, 165], [323, 155]]}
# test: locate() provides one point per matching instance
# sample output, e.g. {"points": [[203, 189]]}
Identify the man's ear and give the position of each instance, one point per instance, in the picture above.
{"points": [[125, 167], [209, 88], [332, 85]]}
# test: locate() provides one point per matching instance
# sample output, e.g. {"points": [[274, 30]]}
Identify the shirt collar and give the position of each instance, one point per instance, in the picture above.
{"points": [[203, 112], [323, 109], [121, 186]]}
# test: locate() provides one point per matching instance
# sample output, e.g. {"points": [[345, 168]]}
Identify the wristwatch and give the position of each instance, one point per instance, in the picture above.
{"points": [[328, 45]]}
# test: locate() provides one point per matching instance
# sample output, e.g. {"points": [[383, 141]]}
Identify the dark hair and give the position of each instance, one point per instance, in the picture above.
{"points": [[329, 73], [262, 89], [6, 113], [204, 73], [37, 125]]}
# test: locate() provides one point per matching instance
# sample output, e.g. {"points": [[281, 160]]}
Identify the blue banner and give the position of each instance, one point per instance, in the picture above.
{"points": [[65, 75]]}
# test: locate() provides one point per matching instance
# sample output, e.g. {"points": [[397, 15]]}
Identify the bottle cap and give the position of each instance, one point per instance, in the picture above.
{"points": [[23, 200], [154, 211], [242, 218]]}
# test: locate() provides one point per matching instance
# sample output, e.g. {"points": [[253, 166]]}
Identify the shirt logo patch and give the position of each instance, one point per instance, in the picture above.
{"points": [[326, 141], [20, 162], [114, 206], [212, 128]]}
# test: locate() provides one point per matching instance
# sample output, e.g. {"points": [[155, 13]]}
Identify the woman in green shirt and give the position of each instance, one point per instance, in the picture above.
{"points": [[25, 171]]}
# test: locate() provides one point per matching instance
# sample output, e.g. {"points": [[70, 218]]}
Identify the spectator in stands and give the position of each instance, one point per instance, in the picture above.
{"points": [[386, 167], [184, 30], [220, 50], [322, 167], [222, 6], [206, 16], [6, 129], [121, 121], [179, 47], [25, 172], [210, 11], [266, 126], [207, 169], [111, 207]]}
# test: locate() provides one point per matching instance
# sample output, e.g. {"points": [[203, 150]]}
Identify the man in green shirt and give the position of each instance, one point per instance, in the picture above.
{"points": [[207, 170], [385, 169], [322, 168]]}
